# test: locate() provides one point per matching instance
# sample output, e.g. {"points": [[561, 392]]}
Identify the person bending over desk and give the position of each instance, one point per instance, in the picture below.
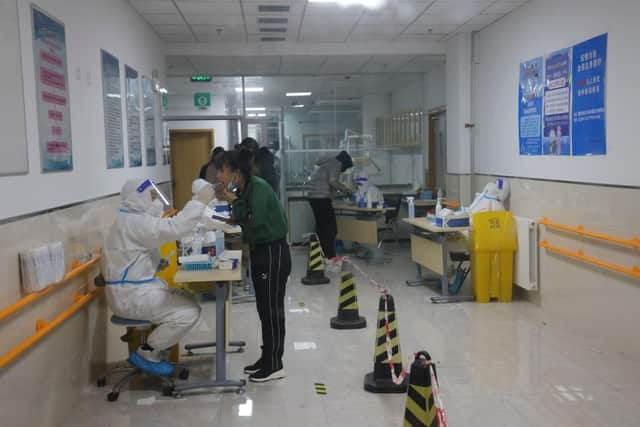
{"points": [[325, 180]]}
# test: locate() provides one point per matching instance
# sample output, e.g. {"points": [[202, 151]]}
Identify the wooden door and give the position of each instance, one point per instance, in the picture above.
{"points": [[190, 149]]}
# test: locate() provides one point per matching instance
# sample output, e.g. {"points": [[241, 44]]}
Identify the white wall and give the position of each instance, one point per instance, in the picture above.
{"points": [[435, 88], [90, 25], [373, 107], [458, 90], [408, 98], [539, 27]]}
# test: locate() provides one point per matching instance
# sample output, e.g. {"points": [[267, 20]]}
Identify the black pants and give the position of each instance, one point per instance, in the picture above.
{"points": [[326, 226], [270, 269]]}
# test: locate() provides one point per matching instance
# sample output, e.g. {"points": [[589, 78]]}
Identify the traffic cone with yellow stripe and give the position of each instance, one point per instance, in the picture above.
{"points": [[348, 316], [381, 380], [315, 267], [420, 409]]}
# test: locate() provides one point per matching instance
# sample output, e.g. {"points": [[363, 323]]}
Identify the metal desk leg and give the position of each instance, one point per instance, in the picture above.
{"points": [[221, 356], [421, 281], [444, 280]]}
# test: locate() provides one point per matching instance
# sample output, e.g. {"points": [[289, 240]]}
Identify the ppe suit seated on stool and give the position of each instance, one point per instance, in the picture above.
{"points": [[130, 253]]}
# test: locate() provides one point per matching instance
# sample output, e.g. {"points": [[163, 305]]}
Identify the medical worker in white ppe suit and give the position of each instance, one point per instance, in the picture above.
{"points": [[131, 260]]}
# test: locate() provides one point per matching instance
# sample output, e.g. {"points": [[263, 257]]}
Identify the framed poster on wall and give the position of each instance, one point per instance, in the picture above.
{"points": [[112, 102], [149, 117], [134, 140], [556, 139], [589, 134], [530, 106], [52, 92]]}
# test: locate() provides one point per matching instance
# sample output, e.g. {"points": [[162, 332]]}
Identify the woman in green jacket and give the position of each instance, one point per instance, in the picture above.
{"points": [[256, 208]]}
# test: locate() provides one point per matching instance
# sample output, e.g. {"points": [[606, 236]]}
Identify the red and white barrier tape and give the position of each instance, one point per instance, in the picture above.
{"points": [[399, 379], [437, 401]]}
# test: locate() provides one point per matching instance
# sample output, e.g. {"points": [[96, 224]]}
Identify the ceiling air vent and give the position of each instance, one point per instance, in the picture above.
{"points": [[273, 8], [273, 20], [273, 30], [272, 39]]}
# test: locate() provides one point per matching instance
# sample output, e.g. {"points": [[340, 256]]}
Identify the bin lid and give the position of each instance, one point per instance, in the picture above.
{"points": [[493, 231]]}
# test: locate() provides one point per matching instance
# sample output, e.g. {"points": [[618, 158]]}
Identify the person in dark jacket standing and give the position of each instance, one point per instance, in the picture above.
{"points": [[209, 171], [263, 162], [324, 181], [255, 207]]}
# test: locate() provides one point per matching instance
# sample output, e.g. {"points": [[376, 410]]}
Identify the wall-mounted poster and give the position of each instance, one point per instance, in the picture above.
{"points": [[52, 91], [589, 134], [556, 138], [134, 142], [112, 102], [149, 114], [530, 106]]}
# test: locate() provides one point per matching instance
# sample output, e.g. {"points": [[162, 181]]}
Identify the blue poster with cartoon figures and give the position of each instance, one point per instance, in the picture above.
{"points": [[530, 106], [556, 139], [589, 71]]}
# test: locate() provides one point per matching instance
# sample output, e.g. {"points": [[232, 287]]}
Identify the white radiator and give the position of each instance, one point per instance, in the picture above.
{"points": [[525, 272]]}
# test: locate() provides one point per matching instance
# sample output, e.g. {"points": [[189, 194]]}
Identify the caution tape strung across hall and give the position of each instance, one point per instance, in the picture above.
{"points": [[399, 379]]}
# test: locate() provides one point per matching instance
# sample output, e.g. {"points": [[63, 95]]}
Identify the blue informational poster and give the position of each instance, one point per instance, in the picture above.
{"points": [[589, 71], [133, 116], [52, 92], [557, 103], [530, 106], [112, 102]]}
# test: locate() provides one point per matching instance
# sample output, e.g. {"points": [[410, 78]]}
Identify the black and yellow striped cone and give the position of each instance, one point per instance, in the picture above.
{"points": [[315, 266], [348, 316], [420, 410], [380, 380]]}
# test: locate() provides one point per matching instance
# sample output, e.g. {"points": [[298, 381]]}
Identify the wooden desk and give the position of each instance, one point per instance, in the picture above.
{"points": [[430, 249], [357, 224], [221, 280]]}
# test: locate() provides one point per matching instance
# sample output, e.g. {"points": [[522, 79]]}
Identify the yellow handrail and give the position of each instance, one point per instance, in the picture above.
{"points": [[31, 298], [580, 256], [44, 328], [634, 242]]}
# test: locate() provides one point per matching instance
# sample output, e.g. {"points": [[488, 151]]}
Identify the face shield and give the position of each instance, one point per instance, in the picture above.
{"points": [[156, 193]]}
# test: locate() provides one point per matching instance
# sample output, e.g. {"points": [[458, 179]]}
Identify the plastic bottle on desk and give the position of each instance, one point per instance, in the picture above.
{"points": [[439, 202], [412, 207], [219, 242]]}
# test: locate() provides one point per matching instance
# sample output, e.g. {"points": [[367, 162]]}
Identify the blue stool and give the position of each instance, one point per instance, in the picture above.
{"points": [[143, 327]]}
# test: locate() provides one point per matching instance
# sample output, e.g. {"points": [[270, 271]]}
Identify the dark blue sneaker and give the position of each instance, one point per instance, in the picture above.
{"points": [[161, 369]]}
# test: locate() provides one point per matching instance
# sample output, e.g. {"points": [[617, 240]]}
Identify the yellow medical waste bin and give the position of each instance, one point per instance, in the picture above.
{"points": [[493, 243]]}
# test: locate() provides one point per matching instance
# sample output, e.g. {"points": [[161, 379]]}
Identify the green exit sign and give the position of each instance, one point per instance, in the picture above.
{"points": [[202, 100], [201, 78]]}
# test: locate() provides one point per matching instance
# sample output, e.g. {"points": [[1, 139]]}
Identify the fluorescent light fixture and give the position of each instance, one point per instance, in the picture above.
{"points": [[251, 115], [369, 4], [256, 109], [262, 115], [113, 95], [298, 106], [298, 93], [250, 89]]}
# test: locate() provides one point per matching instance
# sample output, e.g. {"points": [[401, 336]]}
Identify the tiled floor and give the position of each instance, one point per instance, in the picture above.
{"points": [[499, 365]]}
